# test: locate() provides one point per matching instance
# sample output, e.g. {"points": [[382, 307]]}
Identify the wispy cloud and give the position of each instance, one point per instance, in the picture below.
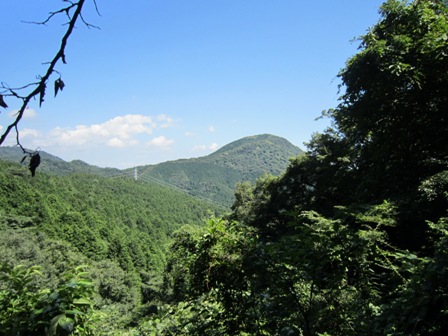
{"points": [[211, 129], [27, 114], [161, 142], [117, 132], [120, 143], [165, 121], [202, 148], [29, 133], [31, 136]]}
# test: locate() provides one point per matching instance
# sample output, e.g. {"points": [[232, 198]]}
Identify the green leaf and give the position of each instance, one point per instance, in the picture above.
{"points": [[82, 301], [74, 312], [85, 283], [67, 324], [54, 324]]}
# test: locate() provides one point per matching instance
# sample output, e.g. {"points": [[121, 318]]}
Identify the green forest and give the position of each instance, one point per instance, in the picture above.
{"points": [[214, 176], [351, 239]]}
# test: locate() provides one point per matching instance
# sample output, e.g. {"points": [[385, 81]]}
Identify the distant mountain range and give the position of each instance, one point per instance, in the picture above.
{"points": [[212, 177], [54, 165]]}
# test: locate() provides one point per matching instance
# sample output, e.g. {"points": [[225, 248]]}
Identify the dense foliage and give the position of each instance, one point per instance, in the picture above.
{"points": [[352, 239], [120, 228], [27, 310]]}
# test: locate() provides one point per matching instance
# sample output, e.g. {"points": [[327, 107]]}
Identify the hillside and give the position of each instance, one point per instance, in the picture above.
{"points": [[121, 229], [55, 165], [212, 177], [118, 218], [215, 176]]}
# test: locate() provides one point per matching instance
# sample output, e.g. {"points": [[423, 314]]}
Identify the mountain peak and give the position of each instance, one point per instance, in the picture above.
{"points": [[215, 176], [250, 141], [263, 153]]}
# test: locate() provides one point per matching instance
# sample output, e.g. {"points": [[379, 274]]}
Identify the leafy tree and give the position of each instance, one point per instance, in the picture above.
{"points": [[27, 310], [323, 275], [343, 243], [393, 110], [420, 307], [59, 222], [390, 128]]}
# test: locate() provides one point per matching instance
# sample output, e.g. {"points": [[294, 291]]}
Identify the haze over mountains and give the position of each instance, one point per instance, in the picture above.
{"points": [[212, 177]]}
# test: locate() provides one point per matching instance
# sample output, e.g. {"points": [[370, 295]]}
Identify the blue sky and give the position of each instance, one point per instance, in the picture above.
{"points": [[164, 79]]}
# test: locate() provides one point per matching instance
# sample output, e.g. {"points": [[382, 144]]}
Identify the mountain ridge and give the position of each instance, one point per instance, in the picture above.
{"points": [[211, 177], [215, 176]]}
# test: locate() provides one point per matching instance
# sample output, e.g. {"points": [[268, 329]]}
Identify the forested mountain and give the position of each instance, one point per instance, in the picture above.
{"points": [[215, 176], [351, 239], [93, 213], [211, 177], [55, 165], [119, 227]]}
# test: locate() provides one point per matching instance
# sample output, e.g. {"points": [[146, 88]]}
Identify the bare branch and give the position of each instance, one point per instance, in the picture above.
{"points": [[12, 91], [65, 10], [41, 85], [96, 8], [88, 25]]}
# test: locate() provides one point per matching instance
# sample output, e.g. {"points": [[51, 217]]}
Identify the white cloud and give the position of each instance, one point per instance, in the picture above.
{"points": [[189, 134], [161, 142], [27, 114], [202, 148], [117, 132], [28, 132], [113, 142], [165, 120], [211, 129], [120, 143]]}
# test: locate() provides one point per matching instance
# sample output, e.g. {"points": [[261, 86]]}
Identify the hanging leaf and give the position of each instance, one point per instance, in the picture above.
{"points": [[34, 163], [2, 102], [42, 88], [23, 159], [58, 85]]}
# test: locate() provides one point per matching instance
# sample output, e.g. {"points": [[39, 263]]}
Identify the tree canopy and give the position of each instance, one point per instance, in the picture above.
{"points": [[393, 110]]}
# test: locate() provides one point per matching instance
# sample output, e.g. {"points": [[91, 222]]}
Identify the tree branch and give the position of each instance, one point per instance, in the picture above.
{"points": [[41, 85]]}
